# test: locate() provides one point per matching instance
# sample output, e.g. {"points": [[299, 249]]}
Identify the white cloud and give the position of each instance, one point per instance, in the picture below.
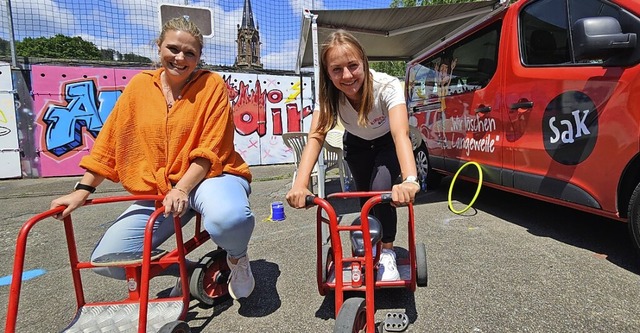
{"points": [[44, 18], [285, 58], [298, 6], [133, 26]]}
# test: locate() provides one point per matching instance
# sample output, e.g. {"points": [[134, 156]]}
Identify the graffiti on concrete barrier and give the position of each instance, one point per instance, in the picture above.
{"points": [[72, 105]]}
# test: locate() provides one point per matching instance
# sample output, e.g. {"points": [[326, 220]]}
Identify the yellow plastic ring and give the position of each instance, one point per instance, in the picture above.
{"points": [[477, 190]]}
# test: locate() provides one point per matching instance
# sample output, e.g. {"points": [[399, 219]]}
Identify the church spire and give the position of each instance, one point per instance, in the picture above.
{"points": [[247, 16], [248, 40]]}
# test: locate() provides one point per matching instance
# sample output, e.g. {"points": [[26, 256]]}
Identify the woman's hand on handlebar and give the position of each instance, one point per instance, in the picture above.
{"points": [[176, 202], [297, 195], [72, 201], [404, 193]]}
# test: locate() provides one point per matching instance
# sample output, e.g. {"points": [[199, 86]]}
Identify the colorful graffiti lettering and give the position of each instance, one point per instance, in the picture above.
{"points": [[249, 109], [72, 116], [65, 123]]}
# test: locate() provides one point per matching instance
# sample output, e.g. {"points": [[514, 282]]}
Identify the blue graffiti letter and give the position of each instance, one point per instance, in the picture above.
{"points": [[63, 132]]}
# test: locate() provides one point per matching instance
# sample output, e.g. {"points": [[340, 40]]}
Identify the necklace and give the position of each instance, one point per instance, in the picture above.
{"points": [[169, 98], [168, 92]]}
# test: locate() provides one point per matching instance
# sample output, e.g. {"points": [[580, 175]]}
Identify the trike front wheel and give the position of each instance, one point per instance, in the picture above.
{"points": [[209, 281], [421, 265], [352, 317], [177, 326]]}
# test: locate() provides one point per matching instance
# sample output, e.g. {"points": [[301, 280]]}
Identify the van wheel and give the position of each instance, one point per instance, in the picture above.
{"points": [[634, 218], [428, 178]]}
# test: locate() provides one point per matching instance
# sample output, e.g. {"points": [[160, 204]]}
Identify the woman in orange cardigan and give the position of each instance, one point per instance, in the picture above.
{"points": [[171, 133]]}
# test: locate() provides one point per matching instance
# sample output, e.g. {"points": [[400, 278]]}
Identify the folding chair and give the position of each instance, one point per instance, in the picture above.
{"points": [[333, 156]]}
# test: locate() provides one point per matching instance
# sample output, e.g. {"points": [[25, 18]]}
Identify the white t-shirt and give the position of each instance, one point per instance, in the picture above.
{"points": [[387, 93]]}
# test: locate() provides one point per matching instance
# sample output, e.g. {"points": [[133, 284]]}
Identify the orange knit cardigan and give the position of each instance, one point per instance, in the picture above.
{"points": [[148, 147]]}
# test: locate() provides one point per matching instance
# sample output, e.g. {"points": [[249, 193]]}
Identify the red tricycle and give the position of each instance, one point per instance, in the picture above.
{"points": [[137, 313], [356, 314]]}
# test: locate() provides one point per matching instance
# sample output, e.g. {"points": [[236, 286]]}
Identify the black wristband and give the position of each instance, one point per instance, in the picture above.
{"points": [[87, 188]]}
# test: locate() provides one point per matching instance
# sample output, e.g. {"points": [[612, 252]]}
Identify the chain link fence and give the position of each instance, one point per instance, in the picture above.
{"points": [[124, 31]]}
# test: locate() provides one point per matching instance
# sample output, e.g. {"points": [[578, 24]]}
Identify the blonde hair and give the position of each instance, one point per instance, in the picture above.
{"points": [[329, 94], [181, 24]]}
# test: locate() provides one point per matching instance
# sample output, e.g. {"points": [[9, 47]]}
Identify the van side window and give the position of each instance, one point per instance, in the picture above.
{"points": [[544, 28], [463, 67]]}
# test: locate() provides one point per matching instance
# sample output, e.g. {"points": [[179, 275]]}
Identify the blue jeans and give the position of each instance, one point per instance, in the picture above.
{"points": [[222, 201]]}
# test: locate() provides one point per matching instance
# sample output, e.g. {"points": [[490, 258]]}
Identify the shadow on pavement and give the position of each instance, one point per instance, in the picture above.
{"points": [[263, 301], [606, 238]]}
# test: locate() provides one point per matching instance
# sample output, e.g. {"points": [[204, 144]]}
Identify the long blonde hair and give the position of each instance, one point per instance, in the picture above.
{"points": [[330, 95]]}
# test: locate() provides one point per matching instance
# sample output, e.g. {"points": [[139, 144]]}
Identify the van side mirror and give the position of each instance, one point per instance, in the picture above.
{"points": [[599, 37]]}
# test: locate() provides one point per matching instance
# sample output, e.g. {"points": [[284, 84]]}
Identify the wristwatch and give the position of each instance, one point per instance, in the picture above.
{"points": [[87, 188], [412, 179]]}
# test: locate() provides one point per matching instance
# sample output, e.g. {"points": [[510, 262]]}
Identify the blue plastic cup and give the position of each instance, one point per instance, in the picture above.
{"points": [[277, 211]]}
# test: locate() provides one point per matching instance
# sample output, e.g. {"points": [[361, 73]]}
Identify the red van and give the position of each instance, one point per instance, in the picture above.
{"points": [[545, 96]]}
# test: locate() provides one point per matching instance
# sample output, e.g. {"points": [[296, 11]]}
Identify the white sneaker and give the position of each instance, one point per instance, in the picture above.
{"points": [[241, 281], [387, 269]]}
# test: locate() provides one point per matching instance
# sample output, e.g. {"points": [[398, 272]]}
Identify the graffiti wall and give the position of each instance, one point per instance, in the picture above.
{"points": [[9, 150], [264, 107], [71, 105]]}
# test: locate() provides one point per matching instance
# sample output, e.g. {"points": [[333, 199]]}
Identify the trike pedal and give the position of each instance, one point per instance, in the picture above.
{"points": [[395, 322]]}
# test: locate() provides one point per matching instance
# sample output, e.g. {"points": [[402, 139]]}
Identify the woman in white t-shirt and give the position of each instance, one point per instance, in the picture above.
{"points": [[372, 108]]}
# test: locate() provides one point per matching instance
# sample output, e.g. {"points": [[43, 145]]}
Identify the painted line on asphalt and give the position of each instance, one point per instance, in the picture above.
{"points": [[28, 275]]}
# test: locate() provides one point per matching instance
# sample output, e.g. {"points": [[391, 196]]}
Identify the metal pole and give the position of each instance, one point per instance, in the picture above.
{"points": [[301, 122], [322, 167], [14, 62]]}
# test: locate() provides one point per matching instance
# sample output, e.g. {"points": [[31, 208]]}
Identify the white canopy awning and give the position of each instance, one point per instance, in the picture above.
{"points": [[394, 33]]}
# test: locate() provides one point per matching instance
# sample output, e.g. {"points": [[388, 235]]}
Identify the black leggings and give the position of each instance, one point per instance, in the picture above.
{"points": [[374, 167]]}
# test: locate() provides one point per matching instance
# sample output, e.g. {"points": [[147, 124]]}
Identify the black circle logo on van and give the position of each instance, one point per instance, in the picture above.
{"points": [[570, 127]]}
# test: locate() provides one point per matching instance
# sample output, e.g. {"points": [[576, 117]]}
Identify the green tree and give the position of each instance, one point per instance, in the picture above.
{"points": [[393, 68], [110, 55], [132, 57], [398, 68], [58, 47], [5, 47]]}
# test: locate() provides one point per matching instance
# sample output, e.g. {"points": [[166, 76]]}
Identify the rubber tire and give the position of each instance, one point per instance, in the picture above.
{"points": [[327, 254], [422, 276], [212, 264], [327, 257], [177, 326], [634, 218], [352, 316], [425, 172]]}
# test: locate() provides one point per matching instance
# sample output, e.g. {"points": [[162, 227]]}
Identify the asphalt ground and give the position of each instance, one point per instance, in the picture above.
{"points": [[509, 264]]}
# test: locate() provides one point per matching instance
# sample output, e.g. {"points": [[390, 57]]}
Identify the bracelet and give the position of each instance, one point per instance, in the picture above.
{"points": [[411, 182], [181, 190]]}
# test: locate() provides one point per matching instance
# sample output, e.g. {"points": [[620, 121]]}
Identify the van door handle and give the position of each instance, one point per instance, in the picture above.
{"points": [[521, 105], [483, 109]]}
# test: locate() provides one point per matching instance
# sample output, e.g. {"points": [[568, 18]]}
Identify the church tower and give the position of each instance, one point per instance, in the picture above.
{"points": [[248, 40]]}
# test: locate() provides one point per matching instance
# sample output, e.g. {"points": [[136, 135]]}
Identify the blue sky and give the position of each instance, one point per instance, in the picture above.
{"points": [[130, 26]]}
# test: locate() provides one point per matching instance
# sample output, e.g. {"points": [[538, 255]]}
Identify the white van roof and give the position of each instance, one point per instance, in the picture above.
{"points": [[394, 33]]}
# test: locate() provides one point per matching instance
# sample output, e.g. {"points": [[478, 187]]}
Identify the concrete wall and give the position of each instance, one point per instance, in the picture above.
{"points": [[59, 110]]}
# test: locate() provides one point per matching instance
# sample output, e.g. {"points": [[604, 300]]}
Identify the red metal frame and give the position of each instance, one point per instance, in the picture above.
{"points": [[368, 261], [141, 273]]}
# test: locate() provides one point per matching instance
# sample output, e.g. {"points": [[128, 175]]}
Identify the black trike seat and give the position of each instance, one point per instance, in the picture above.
{"points": [[357, 242]]}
